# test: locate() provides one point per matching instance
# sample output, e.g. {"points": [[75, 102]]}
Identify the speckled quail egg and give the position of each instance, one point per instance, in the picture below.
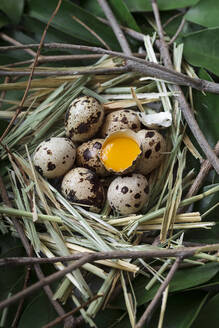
{"points": [[83, 118], [54, 157], [88, 156], [120, 119], [153, 145], [81, 185], [128, 194]]}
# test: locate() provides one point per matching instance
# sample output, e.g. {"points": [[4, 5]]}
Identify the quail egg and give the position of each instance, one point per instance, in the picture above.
{"points": [[120, 151], [153, 145], [128, 194], [120, 119], [83, 118], [88, 156], [81, 185], [54, 157]]}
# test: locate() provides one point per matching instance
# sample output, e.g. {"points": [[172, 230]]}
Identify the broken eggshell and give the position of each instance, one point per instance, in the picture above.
{"points": [[83, 118], [120, 152], [157, 120]]}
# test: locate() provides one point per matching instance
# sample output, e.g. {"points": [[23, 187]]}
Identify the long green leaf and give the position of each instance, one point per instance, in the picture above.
{"points": [[204, 13], [64, 22], [202, 48]]}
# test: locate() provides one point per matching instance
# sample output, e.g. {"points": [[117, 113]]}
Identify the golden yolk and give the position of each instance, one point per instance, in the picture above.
{"points": [[119, 153]]}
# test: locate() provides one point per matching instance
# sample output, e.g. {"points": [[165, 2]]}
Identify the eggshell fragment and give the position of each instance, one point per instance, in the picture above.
{"points": [[153, 146], [128, 194], [82, 186], [54, 157], [120, 120], [83, 118]]}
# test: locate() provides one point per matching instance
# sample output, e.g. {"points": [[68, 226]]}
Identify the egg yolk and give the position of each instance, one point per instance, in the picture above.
{"points": [[119, 153]]}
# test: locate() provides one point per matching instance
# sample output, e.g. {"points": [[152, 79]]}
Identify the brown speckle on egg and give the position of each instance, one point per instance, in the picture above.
{"points": [[50, 157], [88, 156], [153, 146], [84, 191], [119, 120], [83, 118], [123, 201]]}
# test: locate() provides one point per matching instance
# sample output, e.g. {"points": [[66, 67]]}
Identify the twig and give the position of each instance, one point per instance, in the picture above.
{"points": [[115, 27], [109, 70], [9, 39], [31, 73], [47, 280], [187, 113], [92, 32], [140, 65], [60, 319], [49, 59], [162, 252], [20, 305], [83, 258], [205, 168], [158, 294], [181, 25]]}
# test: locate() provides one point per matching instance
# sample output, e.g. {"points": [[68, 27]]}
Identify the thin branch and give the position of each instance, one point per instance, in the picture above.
{"points": [[47, 280], [92, 32], [9, 39], [115, 27], [63, 317], [158, 294], [31, 73], [20, 305], [181, 25], [162, 252], [70, 72], [83, 258], [187, 113], [140, 65], [135, 35], [205, 168]]}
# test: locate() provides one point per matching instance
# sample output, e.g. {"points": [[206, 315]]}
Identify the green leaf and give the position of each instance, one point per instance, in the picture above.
{"points": [[209, 316], [11, 279], [13, 9], [183, 279], [123, 14], [181, 310], [38, 313], [63, 21], [202, 48], [207, 109], [3, 20], [204, 13], [142, 5]]}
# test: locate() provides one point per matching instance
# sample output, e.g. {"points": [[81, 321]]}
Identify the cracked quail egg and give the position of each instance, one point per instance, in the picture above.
{"points": [[82, 186], [120, 152], [83, 118], [128, 194], [119, 120], [54, 157], [153, 146], [88, 156]]}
